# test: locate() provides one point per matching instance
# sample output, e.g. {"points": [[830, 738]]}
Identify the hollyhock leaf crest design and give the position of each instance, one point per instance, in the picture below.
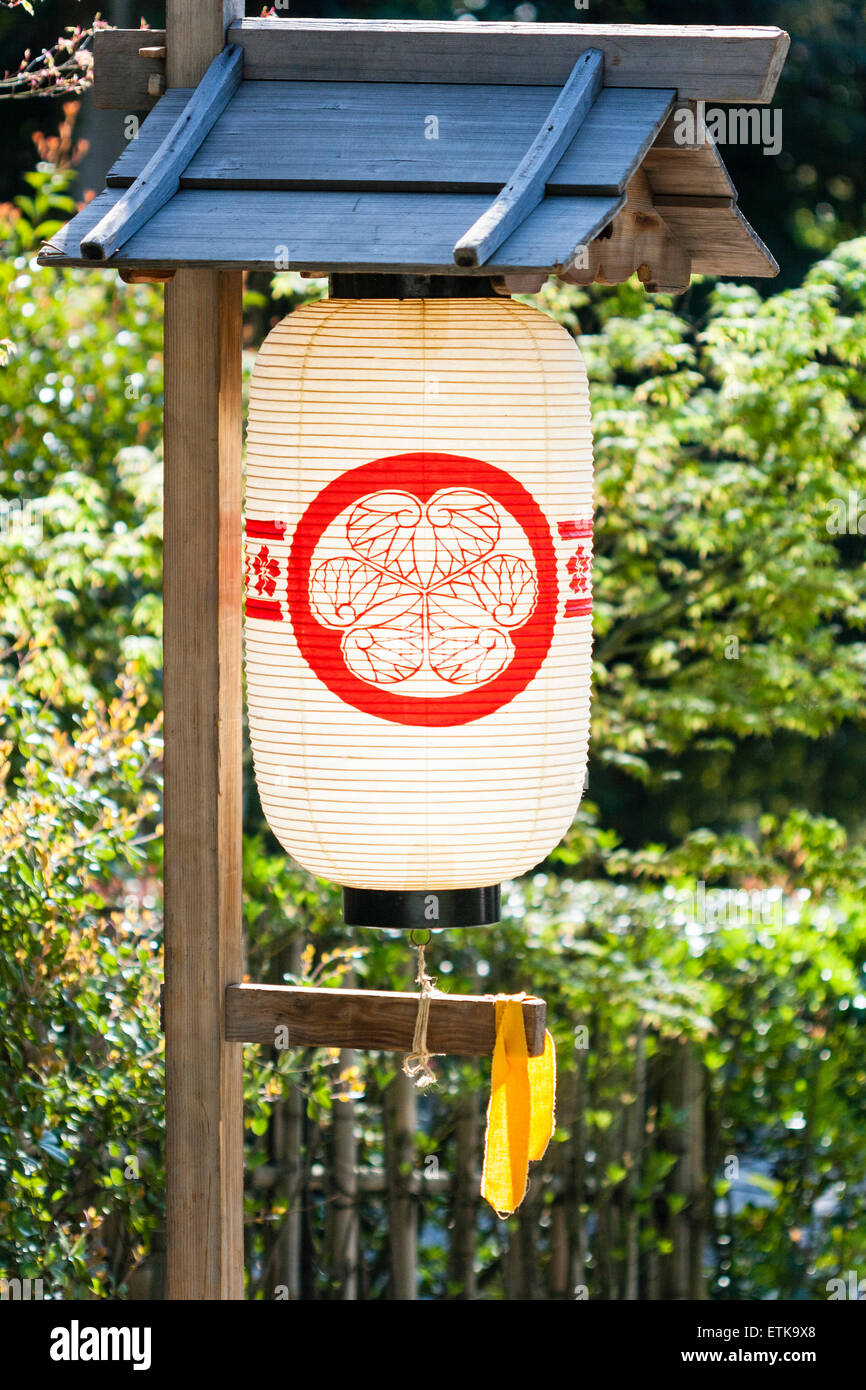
{"points": [[424, 587], [382, 528], [343, 590], [465, 524]]}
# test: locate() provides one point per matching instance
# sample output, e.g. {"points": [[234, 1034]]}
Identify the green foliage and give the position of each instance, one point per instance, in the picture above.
{"points": [[722, 445], [80, 1053], [80, 928], [80, 410]]}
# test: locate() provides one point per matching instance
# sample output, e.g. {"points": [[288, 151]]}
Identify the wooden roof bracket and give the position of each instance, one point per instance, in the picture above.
{"points": [[638, 239], [160, 178], [526, 187]]}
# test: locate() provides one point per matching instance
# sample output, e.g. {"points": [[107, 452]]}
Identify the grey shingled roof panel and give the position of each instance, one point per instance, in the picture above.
{"points": [[397, 136], [409, 232], [335, 173]]}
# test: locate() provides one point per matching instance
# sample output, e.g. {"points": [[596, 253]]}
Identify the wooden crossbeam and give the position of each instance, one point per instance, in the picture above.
{"points": [[159, 180], [719, 63], [526, 187], [460, 1025], [121, 73]]}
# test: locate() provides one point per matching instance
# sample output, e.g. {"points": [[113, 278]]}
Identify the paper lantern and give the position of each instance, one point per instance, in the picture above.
{"points": [[418, 611]]}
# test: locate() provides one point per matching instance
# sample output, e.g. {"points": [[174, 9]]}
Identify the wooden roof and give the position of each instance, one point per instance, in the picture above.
{"points": [[375, 146]]}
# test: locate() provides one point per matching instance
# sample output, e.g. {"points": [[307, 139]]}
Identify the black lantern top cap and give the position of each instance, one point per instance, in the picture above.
{"points": [[490, 150]]}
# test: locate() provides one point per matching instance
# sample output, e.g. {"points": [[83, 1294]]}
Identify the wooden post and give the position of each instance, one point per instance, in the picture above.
{"points": [[577, 1187], [561, 1217], [289, 1248], [345, 1230], [681, 1087], [464, 1200], [635, 1134], [401, 1122], [288, 1145], [202, 675]]}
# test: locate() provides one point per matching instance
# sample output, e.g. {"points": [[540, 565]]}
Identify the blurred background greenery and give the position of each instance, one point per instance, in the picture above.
{"points": [[711, 1122]]}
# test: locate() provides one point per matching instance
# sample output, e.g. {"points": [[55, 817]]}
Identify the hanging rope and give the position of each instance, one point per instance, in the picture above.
{"points": [[416, 1064]]}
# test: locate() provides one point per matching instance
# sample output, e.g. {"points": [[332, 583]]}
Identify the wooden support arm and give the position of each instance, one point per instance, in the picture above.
{"points": [[159, 180], [461, 1025], [526, 187]]}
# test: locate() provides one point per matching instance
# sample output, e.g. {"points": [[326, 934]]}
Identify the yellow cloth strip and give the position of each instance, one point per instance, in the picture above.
{"points": [[521, 1116]]}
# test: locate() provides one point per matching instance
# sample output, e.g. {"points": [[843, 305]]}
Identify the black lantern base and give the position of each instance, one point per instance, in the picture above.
{"points": [[421, 911], [361, 285]]}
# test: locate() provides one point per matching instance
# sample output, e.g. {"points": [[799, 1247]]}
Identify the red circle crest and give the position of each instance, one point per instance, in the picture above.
{"points": [[459, 606]]}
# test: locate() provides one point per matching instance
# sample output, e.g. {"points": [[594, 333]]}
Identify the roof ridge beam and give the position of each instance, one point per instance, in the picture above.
{"points": [[160, 178], [719, 63], [526, 187], [723, 63]]}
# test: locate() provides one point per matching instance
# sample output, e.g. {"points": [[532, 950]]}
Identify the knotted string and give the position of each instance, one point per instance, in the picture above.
{"points": [[416, 1064]]}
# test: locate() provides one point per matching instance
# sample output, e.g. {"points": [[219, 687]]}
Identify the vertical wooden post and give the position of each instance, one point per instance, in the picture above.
{"points": [[401, 1122], [464, 1200], [202, 692], [344, 1209], [288, 1146], [341, 1225], [561, 1217], [635, 1128], [288, 1143], [681, 1090], [577, 1194]]}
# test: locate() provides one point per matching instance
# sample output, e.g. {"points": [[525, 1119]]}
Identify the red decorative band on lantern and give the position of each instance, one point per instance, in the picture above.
{"points": [[578, 567], [262, 571], [265, 530], [574, 530], [260, 608]]}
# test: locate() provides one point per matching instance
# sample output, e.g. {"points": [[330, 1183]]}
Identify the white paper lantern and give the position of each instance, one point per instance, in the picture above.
{"points": [[418, 624]]}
